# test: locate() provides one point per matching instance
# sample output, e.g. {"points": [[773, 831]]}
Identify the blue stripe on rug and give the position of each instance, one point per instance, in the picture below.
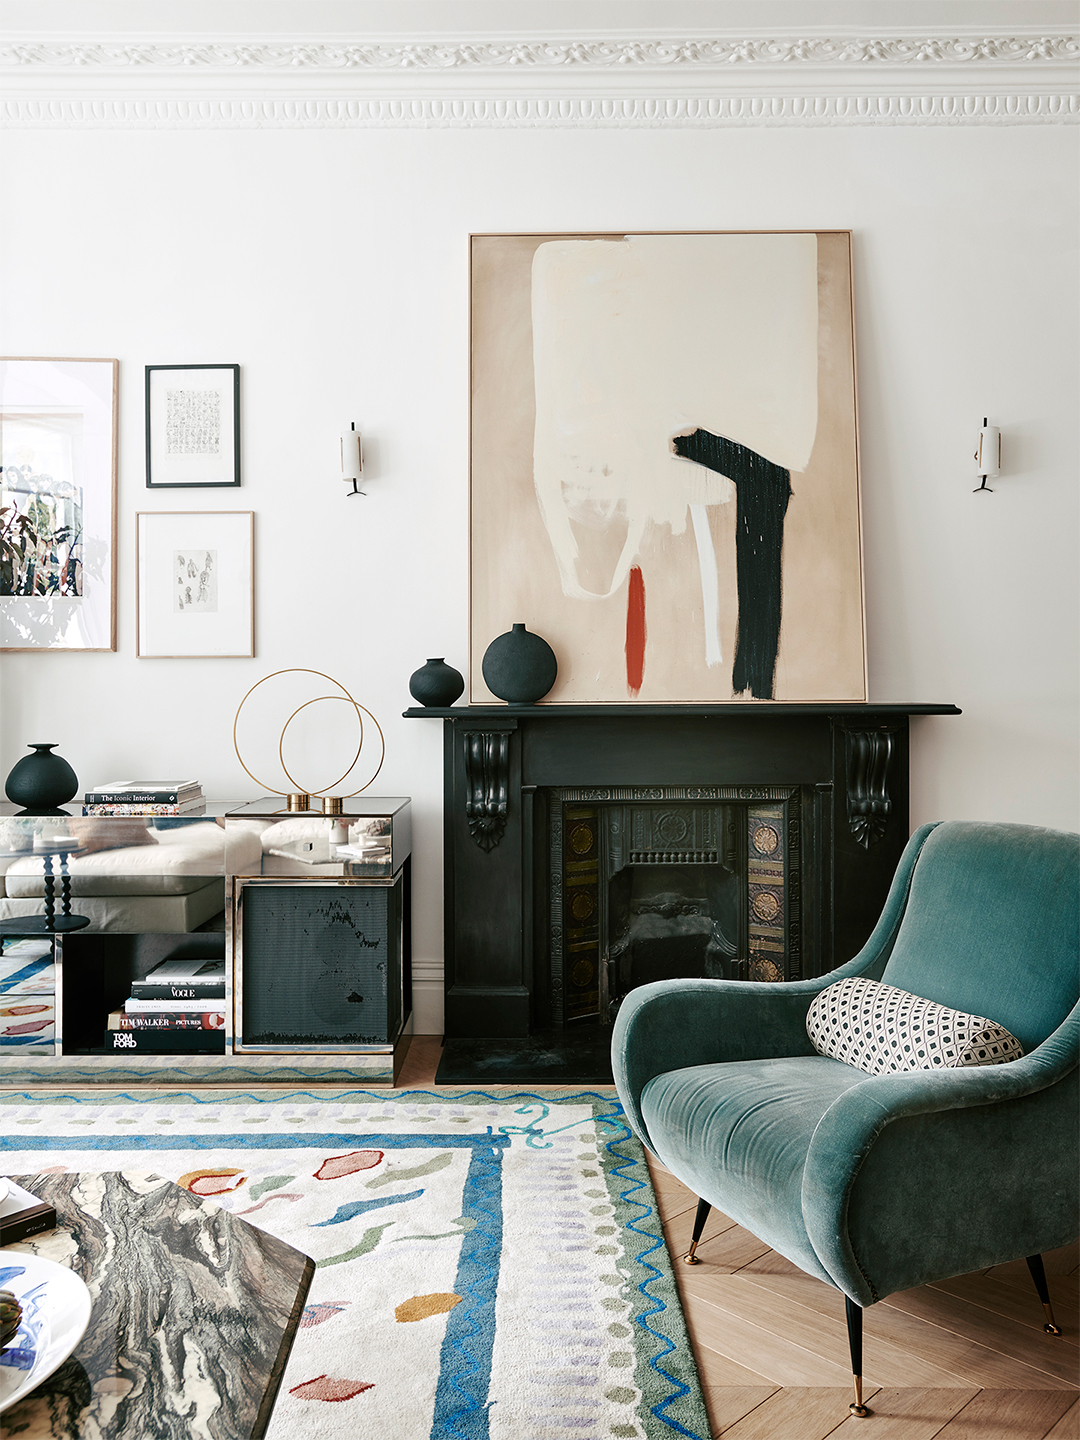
{"points": [[461, 1400], [252, 1140]]}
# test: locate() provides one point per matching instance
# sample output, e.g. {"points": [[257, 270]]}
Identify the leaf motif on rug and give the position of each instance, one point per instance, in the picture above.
{"points": [[358, 1207], [272, 1182], [336, 1166], [430, 1167], [319, 1314], [419, 1307], [324, 1388], [366, 1245], [211, 1182]]}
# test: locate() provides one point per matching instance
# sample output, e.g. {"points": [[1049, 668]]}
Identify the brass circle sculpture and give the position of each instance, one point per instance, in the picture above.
{"points": [[301, 794]]}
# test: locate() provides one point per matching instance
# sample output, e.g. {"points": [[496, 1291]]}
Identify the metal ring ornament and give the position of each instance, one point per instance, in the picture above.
{"points": [[361, 711]]}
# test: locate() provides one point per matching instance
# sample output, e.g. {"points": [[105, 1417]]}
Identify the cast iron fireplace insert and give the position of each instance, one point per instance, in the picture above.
{"points": [[590, 848]]}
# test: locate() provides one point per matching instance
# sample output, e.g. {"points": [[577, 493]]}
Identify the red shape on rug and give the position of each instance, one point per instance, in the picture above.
{"points": [[212, 1182], [337, 1165], [636, 634], [323, 1388]]}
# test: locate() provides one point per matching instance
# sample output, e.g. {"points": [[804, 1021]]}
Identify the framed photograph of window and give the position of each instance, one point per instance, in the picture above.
{"points": [[192, 426], [195, 582], [57, 504]]}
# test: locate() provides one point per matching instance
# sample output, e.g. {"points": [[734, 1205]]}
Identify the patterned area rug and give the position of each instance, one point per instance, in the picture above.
{"points": [[489, 1266]]}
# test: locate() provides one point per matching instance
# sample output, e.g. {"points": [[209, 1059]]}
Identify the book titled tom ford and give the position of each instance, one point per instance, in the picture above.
{"points": [[22, 1215]]}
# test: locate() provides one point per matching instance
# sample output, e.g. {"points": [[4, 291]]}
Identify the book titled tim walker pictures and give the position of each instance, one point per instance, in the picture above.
{"points": [[145, 797]]}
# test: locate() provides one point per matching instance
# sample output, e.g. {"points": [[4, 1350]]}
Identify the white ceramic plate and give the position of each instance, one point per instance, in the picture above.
{"points": [[56, 1312]]}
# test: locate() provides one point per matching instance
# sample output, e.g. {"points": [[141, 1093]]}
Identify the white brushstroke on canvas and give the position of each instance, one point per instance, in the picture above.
{"points": [[637, 340], [710, 584]]}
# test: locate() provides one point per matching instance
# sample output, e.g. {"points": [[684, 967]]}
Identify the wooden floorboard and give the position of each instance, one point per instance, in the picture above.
{"points": [[966, 1359]]}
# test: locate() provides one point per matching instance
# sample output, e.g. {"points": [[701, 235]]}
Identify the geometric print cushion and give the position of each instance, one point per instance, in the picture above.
{"points": [[881, 1030]]}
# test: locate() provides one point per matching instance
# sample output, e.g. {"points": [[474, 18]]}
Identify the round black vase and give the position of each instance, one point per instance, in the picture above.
{"points": [[41, 781], [436, 683], [519, 666]]}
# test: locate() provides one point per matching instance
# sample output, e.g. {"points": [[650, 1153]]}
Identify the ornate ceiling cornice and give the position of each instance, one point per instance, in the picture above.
{"points": [[562, 112], [907, 51]]}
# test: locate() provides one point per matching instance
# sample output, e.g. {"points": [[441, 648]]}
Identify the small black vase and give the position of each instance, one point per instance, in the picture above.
{"points": [[519, 666], [436, 683], [41, 781]]}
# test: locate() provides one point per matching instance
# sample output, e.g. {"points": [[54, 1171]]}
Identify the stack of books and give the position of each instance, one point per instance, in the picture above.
{"points": [[145, 797], [179, 1005]]}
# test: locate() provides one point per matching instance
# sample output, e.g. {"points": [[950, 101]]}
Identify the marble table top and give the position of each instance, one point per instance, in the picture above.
{"points": [[194, 1314]]}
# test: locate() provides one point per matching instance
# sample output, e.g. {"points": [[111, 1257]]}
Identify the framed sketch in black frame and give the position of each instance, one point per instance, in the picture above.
{"points": [[192, 426]]}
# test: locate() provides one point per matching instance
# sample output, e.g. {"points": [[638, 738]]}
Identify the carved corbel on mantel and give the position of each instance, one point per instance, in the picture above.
{"points": [[487, 782], [869, 754]]}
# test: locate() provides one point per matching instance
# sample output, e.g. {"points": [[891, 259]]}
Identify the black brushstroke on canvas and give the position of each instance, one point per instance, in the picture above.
{"points": [[763, 491]]}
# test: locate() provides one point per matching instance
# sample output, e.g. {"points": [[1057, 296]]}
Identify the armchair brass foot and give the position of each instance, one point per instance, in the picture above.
{"points": [[854, 1331], [857, 1407], [703, 1208], [1038, 1274]]}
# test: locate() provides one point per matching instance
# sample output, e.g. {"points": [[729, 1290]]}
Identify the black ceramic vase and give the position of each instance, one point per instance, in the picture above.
{"points": [[519, 666], [436, 683], [41, 781]]}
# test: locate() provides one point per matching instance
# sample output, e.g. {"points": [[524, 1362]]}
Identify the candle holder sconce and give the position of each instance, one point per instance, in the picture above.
{"points": [[988, 456]]}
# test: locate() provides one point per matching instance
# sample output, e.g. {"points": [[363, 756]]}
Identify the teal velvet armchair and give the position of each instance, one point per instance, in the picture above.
{"points": [[877, 1183]]}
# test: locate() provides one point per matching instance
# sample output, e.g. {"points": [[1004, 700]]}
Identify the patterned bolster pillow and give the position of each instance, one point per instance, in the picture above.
{"points": [[881, 1030]]}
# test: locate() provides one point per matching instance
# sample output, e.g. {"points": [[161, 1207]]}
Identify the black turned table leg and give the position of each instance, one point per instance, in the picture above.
{"points": [[50, 894]]}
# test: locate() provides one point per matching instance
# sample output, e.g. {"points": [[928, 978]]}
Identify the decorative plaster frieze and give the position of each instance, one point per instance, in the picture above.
{"points": [[564, 112], [596, 54]]}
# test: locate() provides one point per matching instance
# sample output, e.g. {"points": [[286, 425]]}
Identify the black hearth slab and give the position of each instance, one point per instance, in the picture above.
{"points": [[550, 1057]]}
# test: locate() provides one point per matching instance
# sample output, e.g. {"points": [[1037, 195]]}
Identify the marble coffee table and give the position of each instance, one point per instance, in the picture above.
{"points": [[194, 1314]]}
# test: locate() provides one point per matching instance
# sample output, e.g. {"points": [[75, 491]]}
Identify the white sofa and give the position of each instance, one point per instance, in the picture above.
{"points": [[170, 886]]}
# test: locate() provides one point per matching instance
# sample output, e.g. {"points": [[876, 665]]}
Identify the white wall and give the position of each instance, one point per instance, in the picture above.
{"points": [[332, 265]]}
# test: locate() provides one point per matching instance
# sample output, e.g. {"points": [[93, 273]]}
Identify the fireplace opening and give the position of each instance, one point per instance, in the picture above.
{"points": [[656, 883]]}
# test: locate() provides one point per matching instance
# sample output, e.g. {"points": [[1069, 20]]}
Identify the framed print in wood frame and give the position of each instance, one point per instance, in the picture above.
{"points": [[58, 439], [192, 426], [664, 464], [195, 583]]}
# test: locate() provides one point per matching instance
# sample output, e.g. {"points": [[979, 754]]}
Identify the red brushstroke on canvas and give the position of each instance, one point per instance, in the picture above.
{"points": [[635, 631]]}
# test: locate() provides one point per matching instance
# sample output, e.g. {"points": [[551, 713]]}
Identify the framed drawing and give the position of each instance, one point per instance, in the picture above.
{"points": [[664, 464], [58, 504], [192, 426], [195, 582]]}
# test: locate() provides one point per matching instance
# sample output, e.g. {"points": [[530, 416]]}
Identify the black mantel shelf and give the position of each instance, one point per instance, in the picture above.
{"points": [[626, 712]]}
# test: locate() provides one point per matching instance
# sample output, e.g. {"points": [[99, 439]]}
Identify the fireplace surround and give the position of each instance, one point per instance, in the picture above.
{"points": [[759, 841]]}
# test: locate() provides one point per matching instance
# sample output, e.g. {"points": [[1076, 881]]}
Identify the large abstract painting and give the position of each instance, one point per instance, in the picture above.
{"points": [[664, 464]]}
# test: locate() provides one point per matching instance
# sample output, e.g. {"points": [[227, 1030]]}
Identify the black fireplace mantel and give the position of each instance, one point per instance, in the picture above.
{"points": [[848, 761]]}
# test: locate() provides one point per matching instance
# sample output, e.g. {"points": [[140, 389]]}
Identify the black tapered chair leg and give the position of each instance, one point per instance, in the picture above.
{"points": [[703, 1208], [1038, 1274], [854, 1335]]}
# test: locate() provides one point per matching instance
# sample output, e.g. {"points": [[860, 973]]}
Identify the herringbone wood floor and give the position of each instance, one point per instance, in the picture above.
{"points": [[963, 1360]]}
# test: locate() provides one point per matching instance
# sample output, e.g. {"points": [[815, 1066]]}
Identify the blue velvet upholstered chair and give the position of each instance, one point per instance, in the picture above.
{"points": [[878, 1183]]}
